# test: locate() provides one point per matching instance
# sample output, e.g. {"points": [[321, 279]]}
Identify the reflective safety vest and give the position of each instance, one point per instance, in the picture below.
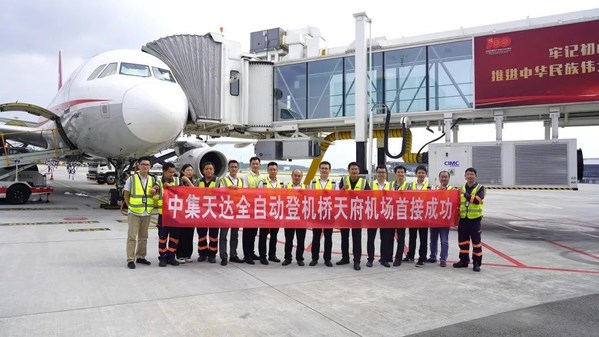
{"points": [[359, 185], [449, 187], [137, 195], [386, 187], [302, 186], [253, 181], [330, 185], [211, 183], [266, 183], [468, 209], [403, 186], [425, 185], [158, 203], [229, 183]]}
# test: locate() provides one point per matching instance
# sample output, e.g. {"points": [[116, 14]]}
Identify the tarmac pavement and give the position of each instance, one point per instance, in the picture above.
{"points": [[64, 274]]}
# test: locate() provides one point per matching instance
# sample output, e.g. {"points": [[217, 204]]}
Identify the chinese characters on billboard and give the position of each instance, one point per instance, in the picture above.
{"points": [[549, 65]]}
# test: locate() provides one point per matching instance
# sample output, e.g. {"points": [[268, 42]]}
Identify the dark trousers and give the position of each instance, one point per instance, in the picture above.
{"points": [[168, 239], [423, 234], [248, 241], [272, 245], [207, 241], [185, 248], [469, 230], [370, 238], [301, 238], [401, 242], [356, 234], [386, 244], [328, 243]]}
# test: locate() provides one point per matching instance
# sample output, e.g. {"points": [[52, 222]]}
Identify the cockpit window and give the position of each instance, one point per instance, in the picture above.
{"points": [[96, 72], [133, 69], [163, 74], [109, 70]]}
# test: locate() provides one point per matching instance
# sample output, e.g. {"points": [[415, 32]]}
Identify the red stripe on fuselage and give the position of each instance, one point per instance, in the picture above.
{"points": [[66, 105]]}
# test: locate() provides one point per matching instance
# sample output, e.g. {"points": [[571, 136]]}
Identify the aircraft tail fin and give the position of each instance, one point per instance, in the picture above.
{"points": [[59, 69]]}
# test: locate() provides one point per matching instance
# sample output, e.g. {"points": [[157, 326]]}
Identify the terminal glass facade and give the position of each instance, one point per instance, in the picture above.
{"points": [[419, 79]]}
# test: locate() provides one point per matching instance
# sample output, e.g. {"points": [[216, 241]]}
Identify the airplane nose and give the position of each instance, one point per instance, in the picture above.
{"points": [[155, 112]]}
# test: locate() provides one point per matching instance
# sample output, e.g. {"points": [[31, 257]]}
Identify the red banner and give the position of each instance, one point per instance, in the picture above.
{"points": [[549, 65], [289, 208]]}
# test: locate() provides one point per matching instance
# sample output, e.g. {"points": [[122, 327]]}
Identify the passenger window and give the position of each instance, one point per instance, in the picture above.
{"points": [[234, 85], [133, 69], [109, 70], [96, 72]]}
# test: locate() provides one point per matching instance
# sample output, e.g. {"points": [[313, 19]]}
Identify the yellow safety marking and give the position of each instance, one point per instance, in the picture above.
{"points": [[88, 229], [45, 223]]}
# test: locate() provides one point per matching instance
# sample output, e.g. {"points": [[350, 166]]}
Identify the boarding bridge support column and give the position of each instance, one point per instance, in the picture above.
{"points": [[554, 113], [381, 157], [447, 120], [361, 85], [498, 116]]}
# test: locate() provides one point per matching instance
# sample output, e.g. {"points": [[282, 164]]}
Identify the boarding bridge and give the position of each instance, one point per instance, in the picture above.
{"points": [[295, 96]]}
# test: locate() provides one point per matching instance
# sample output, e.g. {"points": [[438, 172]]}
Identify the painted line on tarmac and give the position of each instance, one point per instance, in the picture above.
{"points": [[46, 223], [573, 249], [583, 271], [505, 256], [97, 229], [40, 209], [501, 225], [78, 190]]}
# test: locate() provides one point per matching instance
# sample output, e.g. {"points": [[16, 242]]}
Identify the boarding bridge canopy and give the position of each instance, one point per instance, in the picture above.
{"points": [[196, 64]]}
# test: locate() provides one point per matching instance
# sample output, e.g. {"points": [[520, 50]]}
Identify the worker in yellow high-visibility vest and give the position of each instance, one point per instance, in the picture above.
{"points": [[421, 232], [380, 183], [269, 182], [352, 182], [248, 240], [469, 228], [323, 183], [232, 180], [399, 184], [138, 192], [296, 183]]}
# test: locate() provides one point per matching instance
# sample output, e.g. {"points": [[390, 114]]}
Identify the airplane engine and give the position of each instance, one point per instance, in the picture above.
{"points": [[197, 157]]}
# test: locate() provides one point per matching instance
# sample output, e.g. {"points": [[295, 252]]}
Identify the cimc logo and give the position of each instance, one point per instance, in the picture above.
{"points": [[452, 163], [498, 42]]}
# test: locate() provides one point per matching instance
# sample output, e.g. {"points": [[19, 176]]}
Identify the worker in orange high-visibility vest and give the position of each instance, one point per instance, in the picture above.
{"points": [[168, 237], [207, 237], [469, 227]]}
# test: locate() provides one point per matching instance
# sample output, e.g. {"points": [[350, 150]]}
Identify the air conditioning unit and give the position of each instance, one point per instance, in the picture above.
{"points": [[527, 164]]}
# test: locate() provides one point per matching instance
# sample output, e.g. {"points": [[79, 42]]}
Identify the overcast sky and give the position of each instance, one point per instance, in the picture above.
{"points": [[33, 31]]}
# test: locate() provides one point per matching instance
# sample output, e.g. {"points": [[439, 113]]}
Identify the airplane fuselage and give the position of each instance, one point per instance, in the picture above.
{"points": [[121, 104]]}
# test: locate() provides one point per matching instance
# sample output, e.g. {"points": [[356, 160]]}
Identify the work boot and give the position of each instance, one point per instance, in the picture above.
{"points": [[397, 262], [162, 263], [211, 259], [476, 266], [274, 259], [313, 263], [264, 261], [342, 262], [328, 263], [202, 258], [286, 262], [173, 262], [143, 261], [369, 263], [460, 264], [431, 260], [249, 261], [357, 265]]}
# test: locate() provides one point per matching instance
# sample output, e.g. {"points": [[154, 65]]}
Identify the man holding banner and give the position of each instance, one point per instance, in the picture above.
{"points": [[323, 183], [231, 181], [270, 182], [296, 184], [355, 183]]}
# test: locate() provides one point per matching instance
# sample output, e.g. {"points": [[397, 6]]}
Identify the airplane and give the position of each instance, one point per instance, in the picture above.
{"points": [[119, 105]]}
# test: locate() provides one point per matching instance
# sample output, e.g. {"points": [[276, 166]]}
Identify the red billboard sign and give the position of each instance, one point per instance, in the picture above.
{"points": [[289, 208], [549, 65]]}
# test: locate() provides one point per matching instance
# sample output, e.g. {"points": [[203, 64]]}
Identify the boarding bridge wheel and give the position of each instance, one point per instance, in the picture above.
{"points": [[18, 194], [113, 197]]}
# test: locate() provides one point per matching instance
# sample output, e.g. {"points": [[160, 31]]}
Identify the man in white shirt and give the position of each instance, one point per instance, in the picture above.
{"points": [[230, 181]]}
